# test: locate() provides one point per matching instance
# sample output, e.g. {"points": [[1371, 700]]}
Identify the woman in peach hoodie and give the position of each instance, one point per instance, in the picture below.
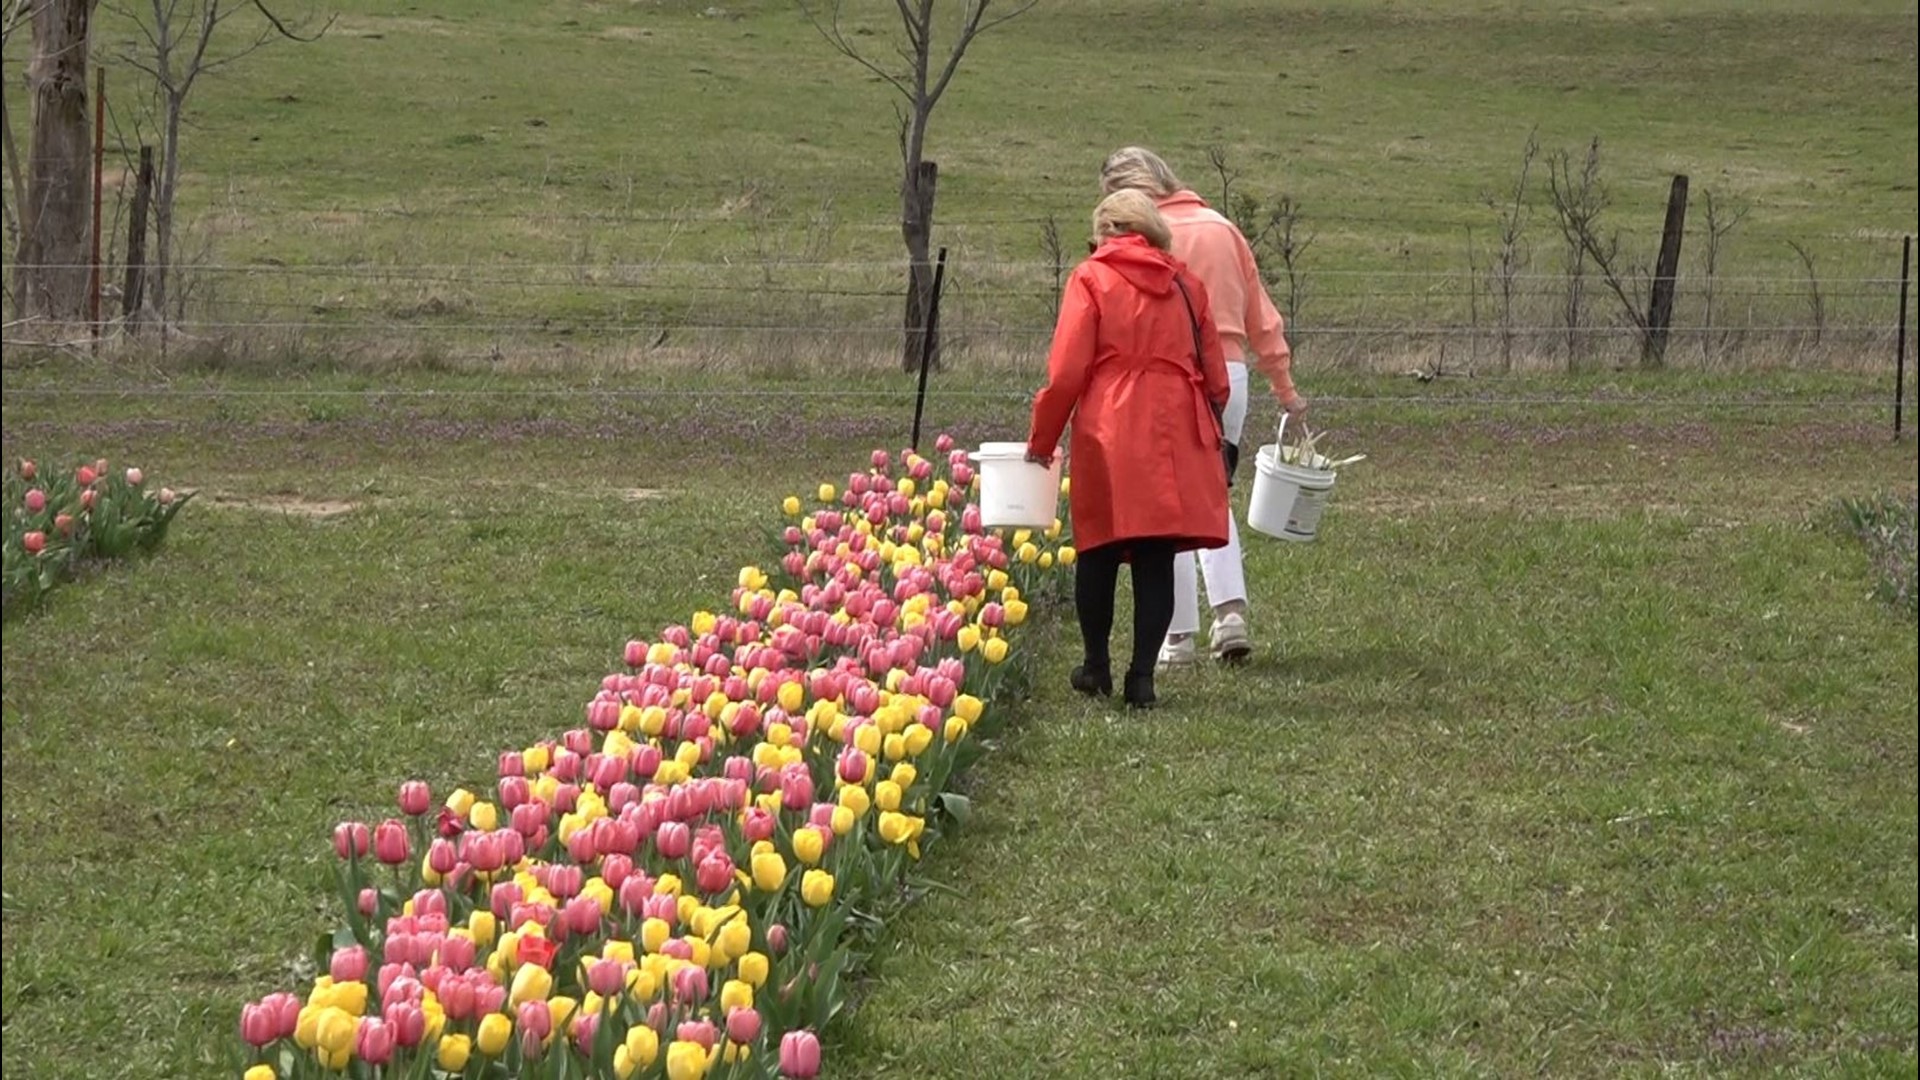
{"points": [[1216, 252]]}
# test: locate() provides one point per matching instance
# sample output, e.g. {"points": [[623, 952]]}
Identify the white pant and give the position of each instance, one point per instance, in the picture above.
{"points": [[1226, 579]]}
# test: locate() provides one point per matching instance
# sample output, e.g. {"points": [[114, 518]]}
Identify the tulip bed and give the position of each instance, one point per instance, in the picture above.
{"points": [[60, 519], [678, 886]]}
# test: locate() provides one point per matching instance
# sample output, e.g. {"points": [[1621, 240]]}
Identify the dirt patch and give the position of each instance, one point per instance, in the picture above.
{"points": [[626, 33], [292, 505], [642, 494]]}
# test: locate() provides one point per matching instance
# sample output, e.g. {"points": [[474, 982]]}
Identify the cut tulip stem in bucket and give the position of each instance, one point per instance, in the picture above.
{"points": [[1290, 496]]}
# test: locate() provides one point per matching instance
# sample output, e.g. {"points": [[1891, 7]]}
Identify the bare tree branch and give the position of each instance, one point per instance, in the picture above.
{"points": [[289, 34], [838, 39]]}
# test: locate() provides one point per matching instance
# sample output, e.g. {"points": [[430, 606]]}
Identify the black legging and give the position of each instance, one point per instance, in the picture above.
{"points": [[1097, 575]]}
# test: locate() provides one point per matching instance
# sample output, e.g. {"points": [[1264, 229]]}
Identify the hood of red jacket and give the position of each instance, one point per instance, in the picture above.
{"points": [[1144, 266]]}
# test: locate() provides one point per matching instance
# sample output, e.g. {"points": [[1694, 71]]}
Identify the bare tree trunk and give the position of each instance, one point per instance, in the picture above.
{"points": [[51, 262], [916, 228], [162, 274]]}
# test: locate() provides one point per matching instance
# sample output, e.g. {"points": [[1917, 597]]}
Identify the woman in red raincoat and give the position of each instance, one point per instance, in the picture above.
{"points": [[1136, 364]]}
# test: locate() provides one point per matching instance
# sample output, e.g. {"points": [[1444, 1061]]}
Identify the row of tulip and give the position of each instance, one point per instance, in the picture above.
{"points": [[676, 886], [58, 520]]}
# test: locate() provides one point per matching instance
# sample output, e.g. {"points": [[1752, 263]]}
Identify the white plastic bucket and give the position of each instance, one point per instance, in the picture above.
{"points": [[1015, 491], [1288, 499]]}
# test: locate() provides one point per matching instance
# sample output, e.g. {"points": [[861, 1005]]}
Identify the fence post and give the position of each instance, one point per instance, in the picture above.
{"points": [[131, 297], [1900, 336], [926, 346], [1660, 304], [99, 163]]}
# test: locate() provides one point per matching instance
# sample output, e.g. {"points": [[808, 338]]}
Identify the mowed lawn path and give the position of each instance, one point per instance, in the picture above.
{"points": [[1576, 745]]}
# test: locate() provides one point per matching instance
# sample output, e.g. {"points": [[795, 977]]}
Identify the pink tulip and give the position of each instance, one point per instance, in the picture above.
{"points": [[374, 1044], [442, 857], [408, 1023], [36, 500], [86, 475], [580, 846], [607, 977], [672, 839], [351, 839], [390, 843], [34, 542], [743, 1025], [504, 897], [134, 477], [634, 893], [166, 496], [258, 1025], [585, 1029], [582, 915], [348, 964], [699, 1031], [457, 953], [415, 797], [800, 1055], [714, 874], [63, 524], [87, 498], [368, 902], [777, 938], [536, 1019], [661, 906], [759, 825], [636, 653], [564, 881], [689, 983], [28, 470], [854, 765], [512, 763]]}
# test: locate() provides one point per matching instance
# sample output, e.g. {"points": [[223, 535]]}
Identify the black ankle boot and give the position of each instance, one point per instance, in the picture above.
{"points": [[1093, 682], [1139, 690]]}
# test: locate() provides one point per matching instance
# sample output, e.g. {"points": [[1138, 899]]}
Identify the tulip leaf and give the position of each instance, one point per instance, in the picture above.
{"points": [[957, 806]]}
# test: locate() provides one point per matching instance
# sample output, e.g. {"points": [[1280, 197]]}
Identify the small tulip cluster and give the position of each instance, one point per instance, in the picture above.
{"points": [[667, 889], [59, 519]]}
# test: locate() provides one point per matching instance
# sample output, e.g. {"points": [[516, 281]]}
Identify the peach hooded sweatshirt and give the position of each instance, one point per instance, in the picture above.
{"points": [[1216, 253]]}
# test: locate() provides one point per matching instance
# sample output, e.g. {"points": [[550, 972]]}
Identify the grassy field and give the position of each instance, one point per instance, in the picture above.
{"points": [[455, 176], [1578, 745]]}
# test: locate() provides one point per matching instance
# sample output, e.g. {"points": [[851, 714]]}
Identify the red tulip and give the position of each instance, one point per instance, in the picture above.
{"points": [[86, 476], [34, 542]]}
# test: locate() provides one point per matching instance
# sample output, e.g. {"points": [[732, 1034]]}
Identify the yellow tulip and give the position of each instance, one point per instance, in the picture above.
{"points": [[843, 820], [866, 738], [460, 801], [654, 933], [994, 650], [905, 774], [350, 998], [736, 937], [1016, 612], [955, 729], [791, 504], [968, 708], [827, 493], [816, 888], [686, 1060], [1027, 553], [1053, 530], [531, 983], [483, 816], [1067, 555], [996, 580], [623, 1066], [968, 638], [642, 1045], [919, 737], [769, 871], [754, 967], [334, 1031], [259, 1072], [667, 885], [335, 1060], [855, 798], [1046, 560], [494, 1034], [1066, 485], [808, 845], [563, 1010], [886, 796], [735, 994]]}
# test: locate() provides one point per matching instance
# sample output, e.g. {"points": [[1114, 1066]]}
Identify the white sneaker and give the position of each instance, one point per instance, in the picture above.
{"points": [[1177, 653], [1229, 641]]}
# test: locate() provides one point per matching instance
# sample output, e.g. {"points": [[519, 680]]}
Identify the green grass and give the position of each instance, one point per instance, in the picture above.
{"points": [[525, 151], [1579, 743]]}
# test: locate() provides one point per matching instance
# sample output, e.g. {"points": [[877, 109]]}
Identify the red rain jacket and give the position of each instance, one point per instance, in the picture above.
{"points": [[1145, 450]]}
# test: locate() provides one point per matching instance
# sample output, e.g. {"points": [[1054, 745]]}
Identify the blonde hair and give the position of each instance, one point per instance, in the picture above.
{"points": [[1131, 211], [1139, 168]]}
